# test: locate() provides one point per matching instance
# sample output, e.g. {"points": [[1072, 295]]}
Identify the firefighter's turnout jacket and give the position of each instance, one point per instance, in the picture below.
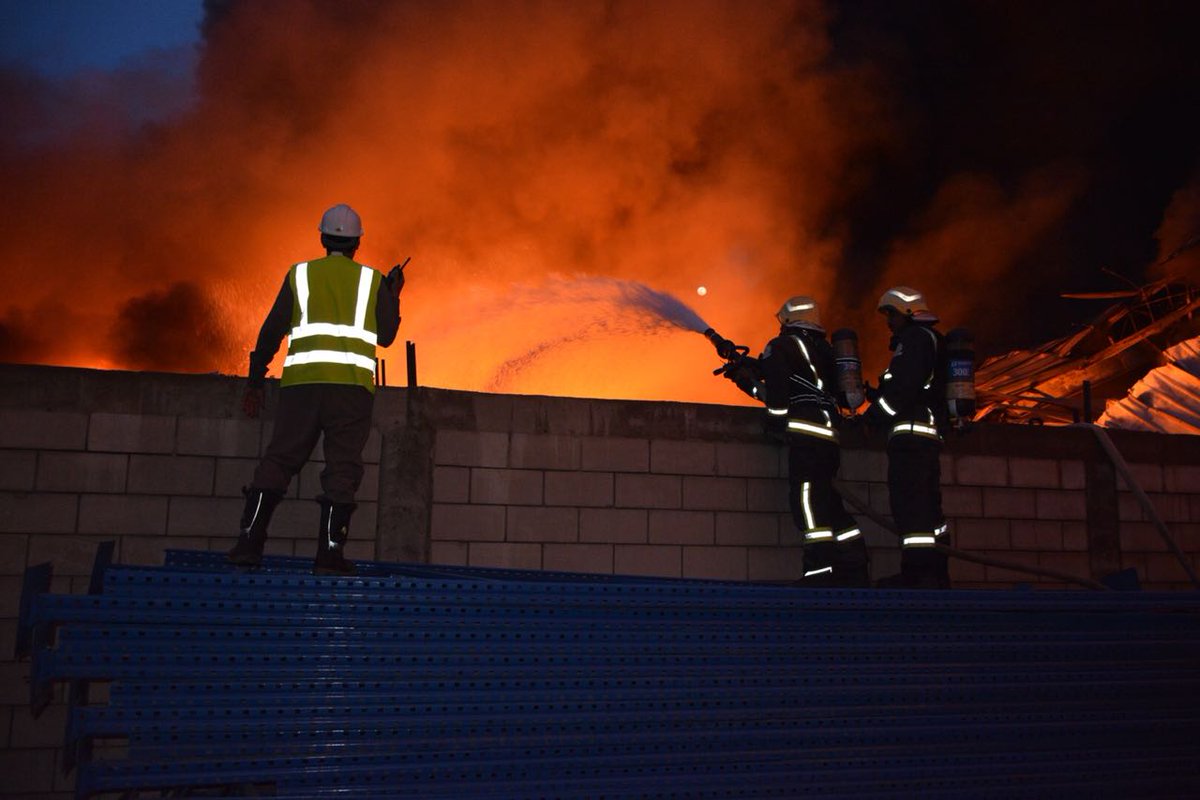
{"points": [[910, 390]]}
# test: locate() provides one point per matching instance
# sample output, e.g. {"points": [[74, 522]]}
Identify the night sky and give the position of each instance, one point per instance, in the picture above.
{"points": [[994, 154]]}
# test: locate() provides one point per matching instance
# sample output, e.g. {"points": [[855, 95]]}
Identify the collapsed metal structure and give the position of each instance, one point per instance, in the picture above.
{"points": [[1063, 380], [452, 682]]}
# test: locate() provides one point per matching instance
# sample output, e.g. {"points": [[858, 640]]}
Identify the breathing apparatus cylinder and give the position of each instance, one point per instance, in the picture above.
{"points": [[849, 366], [960, 375]]}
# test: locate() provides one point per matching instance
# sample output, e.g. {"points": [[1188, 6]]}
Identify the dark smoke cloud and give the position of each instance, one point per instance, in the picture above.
{"points": [[174, 330], [999, 152]]}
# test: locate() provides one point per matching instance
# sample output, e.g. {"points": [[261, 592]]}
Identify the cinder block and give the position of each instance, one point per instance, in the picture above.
{"points": [[211, 516], [45, 731], [1052, 504], [42, 430], [538, 524], [471, 449], [615, 454], [1072, 474], [594, 489], [981, 471], [81, 472], [715, 563], [748, 460], [10, 599], [131, 433], [966, 572], [1148, 476], [506, 555], [623, 525], [452, 553], [682, 527], [1074, 536], [774, 564], [1041, 473], [190, 475], [1141, 537], [122, 515], [766, 495], [232, 475], [1129, 509], [682, 458], [1166, 568], [544, 451], [863, 465], [1036, 535], [1181, 478], [1010, 503], [451, 484], [1076, 564], [981, 535], [557, 415], [14, 548], [467, 523], [151, 550], [745, 528], [235, 438], [720, 494], [70, 554], [658, 560], [649, 491], [592, 558], [38, 513], [18, 469], [962, 501], [1171, 508], [506, 486], [28, 771]]}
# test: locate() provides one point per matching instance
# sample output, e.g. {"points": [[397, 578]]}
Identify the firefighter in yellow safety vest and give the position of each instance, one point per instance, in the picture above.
{"points": [[335, 312]]}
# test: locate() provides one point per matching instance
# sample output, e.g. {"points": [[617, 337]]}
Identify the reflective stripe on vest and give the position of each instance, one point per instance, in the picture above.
{"points": [[339, 350]]}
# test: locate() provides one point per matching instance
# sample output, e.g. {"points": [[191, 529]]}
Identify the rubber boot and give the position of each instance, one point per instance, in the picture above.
{"points": [[920, 568], [252, 534], [852, 564], [331, 539], [818, 567]]}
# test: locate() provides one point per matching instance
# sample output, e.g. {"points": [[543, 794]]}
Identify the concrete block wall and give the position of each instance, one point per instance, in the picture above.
{"points": [[641, 506], [155, 461]]}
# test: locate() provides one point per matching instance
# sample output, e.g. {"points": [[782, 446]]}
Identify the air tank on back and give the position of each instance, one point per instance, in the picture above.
{"points": [[960, 376], [849, 366]]}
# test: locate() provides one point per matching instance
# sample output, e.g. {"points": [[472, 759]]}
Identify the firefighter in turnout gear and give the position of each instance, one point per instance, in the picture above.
{"points": [[796, 377], [335, 312], [908, 405]]}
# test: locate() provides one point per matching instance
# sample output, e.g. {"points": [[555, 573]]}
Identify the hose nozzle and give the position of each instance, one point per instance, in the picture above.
{"points": [[725, 348]]}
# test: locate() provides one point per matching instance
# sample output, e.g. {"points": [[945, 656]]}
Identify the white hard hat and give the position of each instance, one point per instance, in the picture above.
{"points": [[907, 301], [800, 310], [341, 220]]}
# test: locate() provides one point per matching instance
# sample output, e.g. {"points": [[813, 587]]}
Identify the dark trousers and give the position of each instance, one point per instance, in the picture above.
{"points": [[914, 484], [342, 413], [816, 463]]}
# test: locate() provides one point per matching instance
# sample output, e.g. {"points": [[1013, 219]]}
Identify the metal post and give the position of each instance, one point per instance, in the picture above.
{"points": [[410, 350], [1087, 401]]}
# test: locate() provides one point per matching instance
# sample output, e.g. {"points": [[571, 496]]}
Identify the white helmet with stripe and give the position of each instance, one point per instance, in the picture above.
{"points": [[907, 301], [801, 311]]}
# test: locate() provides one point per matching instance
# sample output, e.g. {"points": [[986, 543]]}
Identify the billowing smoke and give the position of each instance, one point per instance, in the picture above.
{"points": [[1179, 236], [501, 145]]}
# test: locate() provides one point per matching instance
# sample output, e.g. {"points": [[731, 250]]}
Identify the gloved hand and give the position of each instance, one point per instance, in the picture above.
{"points": [[870, 392], [253, 401], [395, 279]]}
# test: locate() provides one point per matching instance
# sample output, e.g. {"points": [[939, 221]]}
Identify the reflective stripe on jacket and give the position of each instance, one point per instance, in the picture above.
{"points": [[333, 334]]}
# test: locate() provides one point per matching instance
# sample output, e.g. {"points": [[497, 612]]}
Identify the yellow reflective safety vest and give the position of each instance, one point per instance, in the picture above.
{"points": [[333, 333]]}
